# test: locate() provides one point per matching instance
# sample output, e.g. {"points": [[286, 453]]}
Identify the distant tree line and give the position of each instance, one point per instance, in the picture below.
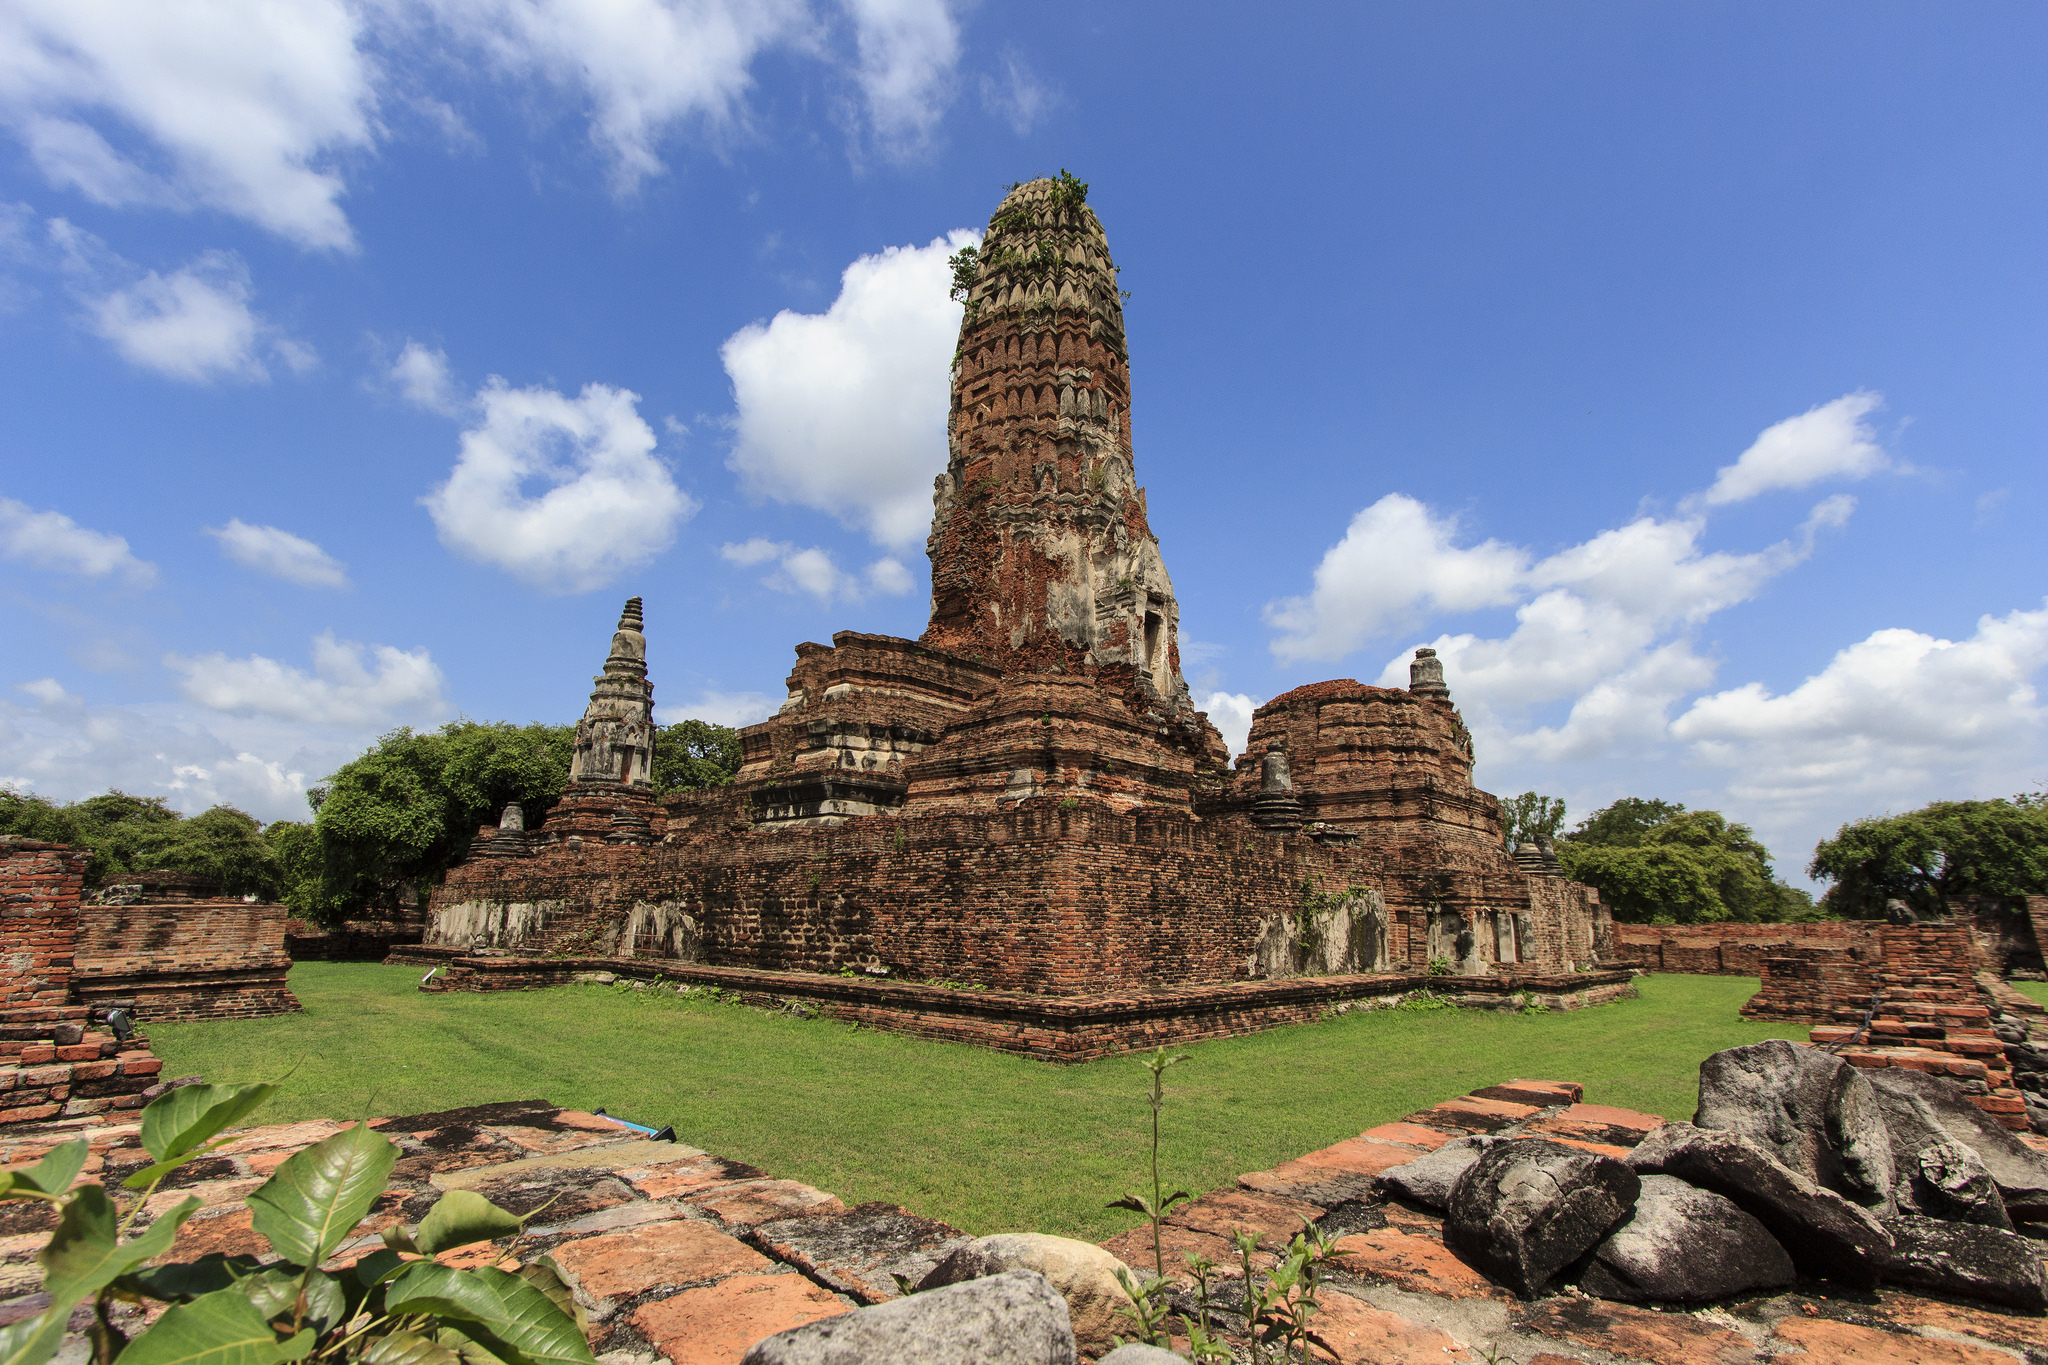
{"points": [[1655, 862], [385, 825]]}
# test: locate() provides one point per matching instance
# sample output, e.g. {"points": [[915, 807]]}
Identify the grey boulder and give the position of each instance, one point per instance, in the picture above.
{"points": [[1529, 1208], [1016, 1318], [1812, 1112], [2020, 1172], [1934, 1176], [1968, 1259], [1824, 1233], [1685, 1245], [1084, 1274], [1138, 1354], [1429, 1179]]}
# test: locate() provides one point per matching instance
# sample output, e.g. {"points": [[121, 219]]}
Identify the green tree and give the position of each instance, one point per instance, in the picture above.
{"points": [[1524, 817], [1931, 857], [695, 753], [129, 834], [1655, 861], [1623, 824]]}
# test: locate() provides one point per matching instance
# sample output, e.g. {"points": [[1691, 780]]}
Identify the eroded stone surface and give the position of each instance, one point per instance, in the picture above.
{"points": [[623, 1264], [1429, 1179], [1528, 1209], [1812, 1112], [1685, 1245], [861, 1251], [1084, 1276], [748, 1202], [1412, 1262], [1826, 1342], [1014, 1318], [1356, 1333], [1666, 1338]]}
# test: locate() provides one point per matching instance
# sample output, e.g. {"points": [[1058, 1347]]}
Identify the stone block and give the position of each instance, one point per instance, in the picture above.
{"points": [[1014, 1318], [674, 1254], [93, 1071], [1407, 1261], [748, 1202], [716, 1325], [860, 1252], [1356, 1333]]}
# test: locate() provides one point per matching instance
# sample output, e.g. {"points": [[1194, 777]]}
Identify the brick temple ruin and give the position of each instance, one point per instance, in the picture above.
{"points": [[1024, 800]]}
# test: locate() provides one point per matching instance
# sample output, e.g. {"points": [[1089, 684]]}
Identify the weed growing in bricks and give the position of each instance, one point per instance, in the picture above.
{"points": [[1148, 1305]]}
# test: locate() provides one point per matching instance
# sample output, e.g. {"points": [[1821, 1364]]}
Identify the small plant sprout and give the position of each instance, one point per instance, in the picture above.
{"points": [[1159, 1205]]}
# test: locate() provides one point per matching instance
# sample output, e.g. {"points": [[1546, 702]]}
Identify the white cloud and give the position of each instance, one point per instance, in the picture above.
{"points": [[643, 65], [350, 685], [421, 376], [48, 691], [238, 105], [907, 52], [194, 324], [814, 571], [256, 107], [845, 411], [720, 708], [610, 504], [1017, 96], [1396, 561], [1831, 441], [268, 550], [1231, 714], [51, 540], [1893, 717]]}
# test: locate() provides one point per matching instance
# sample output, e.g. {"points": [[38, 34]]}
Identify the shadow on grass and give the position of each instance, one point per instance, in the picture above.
{"points": [[986, 1142]]}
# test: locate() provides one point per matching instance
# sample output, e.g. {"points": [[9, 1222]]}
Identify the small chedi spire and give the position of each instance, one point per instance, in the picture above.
{"points": [[615, 738], [1426, 676]]}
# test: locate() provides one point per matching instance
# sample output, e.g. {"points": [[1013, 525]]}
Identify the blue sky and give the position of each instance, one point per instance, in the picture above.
{"points": [[1676, 370]]}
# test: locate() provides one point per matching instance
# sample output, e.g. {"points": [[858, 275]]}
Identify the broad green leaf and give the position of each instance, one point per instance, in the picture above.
{"points": [[541, 1332], [309, 1206], [509, 1317], [190, 1279], [408, 1348], [461, 1217], [546, 1276], [275, 1292], [467, 1348], [83, 1258], [34, 1340], [50, 1177], [150, 1174], [179, 1120], [221, 1328], [398, 1239], [378, 1266]]}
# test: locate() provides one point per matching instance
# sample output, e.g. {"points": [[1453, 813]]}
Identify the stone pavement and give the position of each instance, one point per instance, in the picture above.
{"points": [[682, 1256]]}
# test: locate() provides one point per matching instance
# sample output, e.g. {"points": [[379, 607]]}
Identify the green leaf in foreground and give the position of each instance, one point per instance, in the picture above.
{"points": [[461, 1217], [178, 1121], [83, 1256], [408, 1348], [50, 1177], [505, 1314], [309, 1206], [222, 1328], [33, 1340]]}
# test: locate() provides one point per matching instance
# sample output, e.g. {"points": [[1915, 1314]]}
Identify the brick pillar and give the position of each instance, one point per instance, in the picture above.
{"points": [[39, 885]]}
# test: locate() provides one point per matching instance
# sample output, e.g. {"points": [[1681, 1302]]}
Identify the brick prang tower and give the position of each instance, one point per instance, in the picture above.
{"points": [[1042, 558]]}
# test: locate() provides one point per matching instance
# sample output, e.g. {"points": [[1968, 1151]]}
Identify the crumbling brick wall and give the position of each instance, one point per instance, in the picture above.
{"points": [[1728, 949], [178, 960], [39, 888]]}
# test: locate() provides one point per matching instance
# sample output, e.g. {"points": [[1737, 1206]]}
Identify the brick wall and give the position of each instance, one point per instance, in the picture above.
{"points": [[180, 960], [1729, 949], [39, 885], [52, 1065], [1041, 898]]}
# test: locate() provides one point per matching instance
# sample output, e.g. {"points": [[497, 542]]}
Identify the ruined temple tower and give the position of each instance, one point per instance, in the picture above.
{"points": [[1024, 797], [1042, 560]]}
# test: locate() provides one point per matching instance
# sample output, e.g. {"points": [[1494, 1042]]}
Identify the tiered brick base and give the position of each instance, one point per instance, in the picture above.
{"points": [[1931, 1014], [1056, 1028], [51, 1067]]}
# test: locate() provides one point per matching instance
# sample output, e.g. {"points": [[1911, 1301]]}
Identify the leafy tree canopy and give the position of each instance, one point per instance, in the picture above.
{"points": [[1657, 862], [1623, 824], [405, 811], [1524, 817], [1931, 857], [129, 834]]}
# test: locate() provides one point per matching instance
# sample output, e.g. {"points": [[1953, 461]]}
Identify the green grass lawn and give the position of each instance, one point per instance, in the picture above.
{"points": [[984, 1141], [2034, 990]]}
